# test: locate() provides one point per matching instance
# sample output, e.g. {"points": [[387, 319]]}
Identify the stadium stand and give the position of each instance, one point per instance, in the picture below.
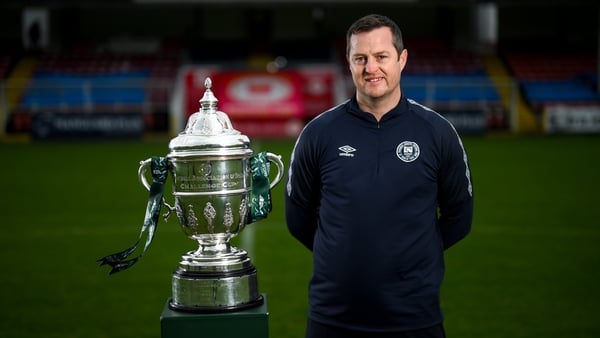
{"points": [[92, 78], [83, 76], [450, 81], [551, 78], [458, 76], [445, 69]]}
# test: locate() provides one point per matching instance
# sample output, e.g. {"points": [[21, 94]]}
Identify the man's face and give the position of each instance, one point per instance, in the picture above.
{"points": [[375, 65]]}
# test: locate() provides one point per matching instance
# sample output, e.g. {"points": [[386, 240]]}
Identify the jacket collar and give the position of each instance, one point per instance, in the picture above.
{"points": [[398, 110]]}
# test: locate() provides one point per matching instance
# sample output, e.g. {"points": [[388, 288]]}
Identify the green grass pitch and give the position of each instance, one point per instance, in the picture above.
{"points": [[529, 268]]}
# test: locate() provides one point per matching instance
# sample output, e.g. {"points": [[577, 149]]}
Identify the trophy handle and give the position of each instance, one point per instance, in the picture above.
{"points": [[142, 173], [142, 176], [280, 169]]}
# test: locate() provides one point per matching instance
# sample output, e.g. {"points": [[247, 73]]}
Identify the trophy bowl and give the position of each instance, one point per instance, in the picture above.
{"points": [[214, 173]]}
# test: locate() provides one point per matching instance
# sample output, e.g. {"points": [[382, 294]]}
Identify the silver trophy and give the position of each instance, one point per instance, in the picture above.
{"points": [[212, 185]]}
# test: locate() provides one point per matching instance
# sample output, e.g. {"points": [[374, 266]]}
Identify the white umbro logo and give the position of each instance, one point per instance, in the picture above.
{"points": [[347, 151]]}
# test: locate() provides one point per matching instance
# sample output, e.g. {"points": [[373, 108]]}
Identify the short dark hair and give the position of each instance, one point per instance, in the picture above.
{"points": [[370, 22]]}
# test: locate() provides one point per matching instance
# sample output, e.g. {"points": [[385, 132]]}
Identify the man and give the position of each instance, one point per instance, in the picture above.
{"points": [[378, 187]]}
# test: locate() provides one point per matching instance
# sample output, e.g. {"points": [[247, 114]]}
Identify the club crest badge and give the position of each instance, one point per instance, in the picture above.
{"points": [[408, 151]]}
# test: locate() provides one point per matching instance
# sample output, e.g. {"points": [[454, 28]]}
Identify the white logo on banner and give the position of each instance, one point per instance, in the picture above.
{"points": [[259, 88]]}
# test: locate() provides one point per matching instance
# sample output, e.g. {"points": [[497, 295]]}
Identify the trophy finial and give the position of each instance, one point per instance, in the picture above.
{"points": [[208, 101]]}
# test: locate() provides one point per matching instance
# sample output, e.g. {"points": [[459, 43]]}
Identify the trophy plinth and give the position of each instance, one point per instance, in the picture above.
{"points": [[213, 183]]}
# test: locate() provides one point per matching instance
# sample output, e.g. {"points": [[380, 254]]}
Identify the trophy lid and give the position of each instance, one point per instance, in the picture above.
{"points": [[209, 129]]}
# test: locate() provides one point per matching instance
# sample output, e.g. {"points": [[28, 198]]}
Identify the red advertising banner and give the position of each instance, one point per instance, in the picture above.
{"points": [[247, 94], [318, 86], [273, 104], [260, 95]]}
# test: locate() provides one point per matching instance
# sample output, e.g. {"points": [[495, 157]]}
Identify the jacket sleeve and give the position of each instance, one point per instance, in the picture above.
{"points": [[455, 191], [302, 193]]}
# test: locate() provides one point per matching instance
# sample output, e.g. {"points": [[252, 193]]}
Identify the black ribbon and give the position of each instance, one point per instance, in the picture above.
{"points": [[120, 261]]}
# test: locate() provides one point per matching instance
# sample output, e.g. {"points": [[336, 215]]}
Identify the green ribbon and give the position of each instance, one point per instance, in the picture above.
{"points": [[119, 261], [260, 200]]}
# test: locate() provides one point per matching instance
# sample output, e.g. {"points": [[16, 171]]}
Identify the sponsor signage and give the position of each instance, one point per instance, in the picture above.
{"points": [[259, 94], [299, 93], [467, 121], [248, 94], [318, 88], [572, 119], [50, 125], [270, 128]]}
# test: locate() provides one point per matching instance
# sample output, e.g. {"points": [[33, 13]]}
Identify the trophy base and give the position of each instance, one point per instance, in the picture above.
{"points": [[204, 284], [205, 309]]}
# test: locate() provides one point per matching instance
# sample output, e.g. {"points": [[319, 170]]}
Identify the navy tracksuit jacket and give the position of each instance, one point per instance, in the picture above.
{"points": [[377, 203]]}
